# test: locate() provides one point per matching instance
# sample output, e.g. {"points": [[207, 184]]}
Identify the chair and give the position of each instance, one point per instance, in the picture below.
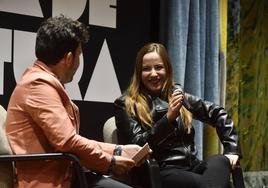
{"points": [[110, 135], [7, 159], [110, 131], [238, 178], [147, 175]]}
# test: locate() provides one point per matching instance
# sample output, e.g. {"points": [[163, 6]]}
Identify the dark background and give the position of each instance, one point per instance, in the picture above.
{"points": [[137, 24]]}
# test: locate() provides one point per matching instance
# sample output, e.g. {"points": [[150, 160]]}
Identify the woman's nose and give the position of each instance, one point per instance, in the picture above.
{"points": [[153, 72]]}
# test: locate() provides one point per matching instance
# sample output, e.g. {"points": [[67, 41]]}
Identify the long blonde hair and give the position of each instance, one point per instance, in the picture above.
{"points": [[136, 100]]}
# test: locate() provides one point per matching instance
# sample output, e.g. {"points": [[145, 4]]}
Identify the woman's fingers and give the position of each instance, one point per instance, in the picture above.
{"points": [[233, 159]]}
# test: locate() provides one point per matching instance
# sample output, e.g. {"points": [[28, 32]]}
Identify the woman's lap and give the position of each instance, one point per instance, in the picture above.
{"points": [[217, 174]]}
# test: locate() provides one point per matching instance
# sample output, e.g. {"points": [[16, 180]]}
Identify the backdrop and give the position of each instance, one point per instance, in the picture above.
{"points": [[117, 30]]}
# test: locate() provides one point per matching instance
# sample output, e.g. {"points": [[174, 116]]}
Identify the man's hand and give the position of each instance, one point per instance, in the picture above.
{"points": [[122, 165], [130, 150]]}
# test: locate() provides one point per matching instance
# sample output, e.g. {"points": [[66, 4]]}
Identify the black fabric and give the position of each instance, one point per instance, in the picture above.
{"points": [[95, 180], [215, 175]]}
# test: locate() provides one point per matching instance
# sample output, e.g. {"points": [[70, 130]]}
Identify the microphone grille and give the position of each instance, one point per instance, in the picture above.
{"points": [[178, 90]]}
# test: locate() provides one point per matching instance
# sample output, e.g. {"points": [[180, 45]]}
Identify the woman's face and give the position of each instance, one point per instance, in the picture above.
{"points": [[153, 74]]}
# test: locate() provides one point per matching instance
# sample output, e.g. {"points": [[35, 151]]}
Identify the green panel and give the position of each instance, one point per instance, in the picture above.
{"points": [[247, 80]]}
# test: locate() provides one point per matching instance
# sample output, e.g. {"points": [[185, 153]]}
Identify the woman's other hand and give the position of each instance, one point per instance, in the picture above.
{"points": [[233, 159]]}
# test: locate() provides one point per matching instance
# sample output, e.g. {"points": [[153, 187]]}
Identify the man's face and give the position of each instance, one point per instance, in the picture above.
{"points": [[74, 65]]}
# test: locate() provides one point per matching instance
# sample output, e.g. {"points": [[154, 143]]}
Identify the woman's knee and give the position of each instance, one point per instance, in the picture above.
{"points": [[219, 158], [220, 161], [174, 178]]}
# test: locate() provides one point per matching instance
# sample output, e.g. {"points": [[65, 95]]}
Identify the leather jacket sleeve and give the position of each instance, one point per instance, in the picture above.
{"points": [[131, 131], [216, 116]]}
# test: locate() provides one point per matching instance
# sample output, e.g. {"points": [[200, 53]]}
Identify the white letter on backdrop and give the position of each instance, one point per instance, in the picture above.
{"points": [[70, 8], [103, 85], [102, 14], [24, 7], [24, 52]]}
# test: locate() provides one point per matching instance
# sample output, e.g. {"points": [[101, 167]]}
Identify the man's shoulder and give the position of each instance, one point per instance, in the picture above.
{"points": [[34, 76]]}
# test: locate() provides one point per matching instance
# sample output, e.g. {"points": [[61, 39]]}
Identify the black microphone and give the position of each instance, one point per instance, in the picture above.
{"points": [[178, 90], [185, 103]]}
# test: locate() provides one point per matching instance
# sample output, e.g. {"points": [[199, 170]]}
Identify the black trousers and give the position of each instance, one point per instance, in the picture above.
{"points": [[216, 175], [95, 180], [100, 181]]}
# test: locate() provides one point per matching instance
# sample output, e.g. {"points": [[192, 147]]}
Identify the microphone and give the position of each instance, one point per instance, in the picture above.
{"points": [[178, 90], [185, 103]]}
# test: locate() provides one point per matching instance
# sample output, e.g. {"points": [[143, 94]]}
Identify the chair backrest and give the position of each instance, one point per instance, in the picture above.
{"points": [[6, 169], [110, 131], [3, 114], [4, 145]]}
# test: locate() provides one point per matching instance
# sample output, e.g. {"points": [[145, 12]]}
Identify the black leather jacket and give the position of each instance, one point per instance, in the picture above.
{"points": [[171, 141]]}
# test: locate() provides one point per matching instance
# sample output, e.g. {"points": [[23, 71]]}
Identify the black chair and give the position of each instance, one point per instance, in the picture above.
{"points": [[148, 173], [51, 156]]}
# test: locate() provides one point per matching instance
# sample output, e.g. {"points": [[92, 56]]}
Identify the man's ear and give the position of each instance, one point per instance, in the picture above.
{"points": [[69, 59]]}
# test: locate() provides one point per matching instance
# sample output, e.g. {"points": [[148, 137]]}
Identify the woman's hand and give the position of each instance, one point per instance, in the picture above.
{"points": [[175, 104], [233, 159]]}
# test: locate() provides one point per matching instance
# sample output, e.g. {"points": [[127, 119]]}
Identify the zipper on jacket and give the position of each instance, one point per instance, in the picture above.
{"points": [[170, 134]]}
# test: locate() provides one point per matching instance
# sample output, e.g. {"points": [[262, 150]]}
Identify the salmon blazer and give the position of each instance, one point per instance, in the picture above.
{"points": [[41, 118]]}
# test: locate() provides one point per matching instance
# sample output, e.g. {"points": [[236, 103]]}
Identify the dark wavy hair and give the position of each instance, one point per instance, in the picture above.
{"points": [[57, 36]]}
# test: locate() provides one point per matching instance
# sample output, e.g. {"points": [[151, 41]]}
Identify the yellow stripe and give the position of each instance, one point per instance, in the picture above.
{"points": [[223, 25]]}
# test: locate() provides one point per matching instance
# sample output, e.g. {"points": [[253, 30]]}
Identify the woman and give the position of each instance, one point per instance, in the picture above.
{"points": [[157, 111]]}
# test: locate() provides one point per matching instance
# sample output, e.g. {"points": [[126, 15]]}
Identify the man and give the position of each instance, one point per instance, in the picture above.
{"points": [[41, 117]]}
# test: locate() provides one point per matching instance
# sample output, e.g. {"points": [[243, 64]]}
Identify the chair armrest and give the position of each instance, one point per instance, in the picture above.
{"points": [[238, 178], [154, 173], [53, 156], [146, 175]]}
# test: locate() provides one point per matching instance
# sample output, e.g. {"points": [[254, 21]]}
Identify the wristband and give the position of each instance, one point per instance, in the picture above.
{"points": [[118, 150]]}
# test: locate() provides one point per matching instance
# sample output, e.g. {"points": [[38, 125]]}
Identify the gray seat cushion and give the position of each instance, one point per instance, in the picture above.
{"points": [[6, 169]]}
